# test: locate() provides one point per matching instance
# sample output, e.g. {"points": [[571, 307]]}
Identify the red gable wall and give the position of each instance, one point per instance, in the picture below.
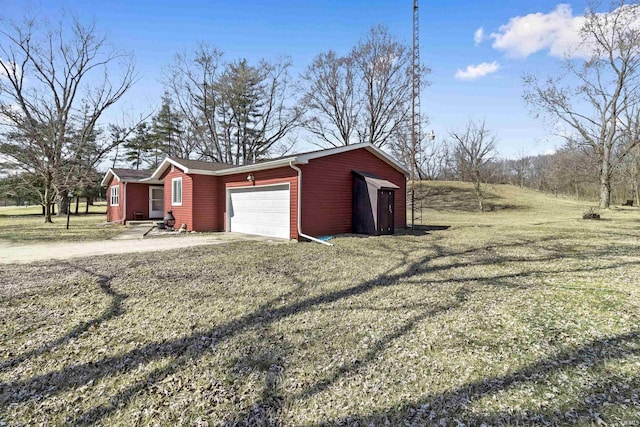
{"points": [[327, 188]]}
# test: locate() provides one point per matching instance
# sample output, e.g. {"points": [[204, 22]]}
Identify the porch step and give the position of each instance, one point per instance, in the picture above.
{"points": [[149, 222]]}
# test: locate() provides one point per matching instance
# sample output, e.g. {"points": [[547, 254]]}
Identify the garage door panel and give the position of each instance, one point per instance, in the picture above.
{"points": [[260, 210]]}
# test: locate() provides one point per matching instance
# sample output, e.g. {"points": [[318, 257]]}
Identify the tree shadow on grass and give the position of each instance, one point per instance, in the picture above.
{"points": [[113, 310], [189, 348], [455, 406]]}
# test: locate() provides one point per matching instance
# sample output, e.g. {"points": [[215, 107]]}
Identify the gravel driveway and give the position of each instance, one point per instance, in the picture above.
{"points": [[26, 253]]}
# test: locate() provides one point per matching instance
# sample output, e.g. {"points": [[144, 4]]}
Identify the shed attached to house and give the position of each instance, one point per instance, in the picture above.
{"points": [[132, 195], [308, 194], [373, 204]]}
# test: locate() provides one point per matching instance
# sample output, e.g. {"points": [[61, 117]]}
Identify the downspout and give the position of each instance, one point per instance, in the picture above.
{"points": [[299, 215]]}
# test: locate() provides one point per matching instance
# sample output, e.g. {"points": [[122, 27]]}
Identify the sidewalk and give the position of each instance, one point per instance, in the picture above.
{"points": [[133, 232]]}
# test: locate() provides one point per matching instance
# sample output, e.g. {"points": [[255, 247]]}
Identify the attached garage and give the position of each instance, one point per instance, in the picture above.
{"points": [[264, 211]]}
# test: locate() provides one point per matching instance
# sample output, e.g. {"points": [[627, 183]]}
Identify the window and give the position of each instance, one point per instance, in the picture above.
{"points": [[176, 191], [115, 195]]}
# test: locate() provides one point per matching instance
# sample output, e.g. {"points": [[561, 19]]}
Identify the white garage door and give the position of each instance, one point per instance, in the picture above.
{"points": [[260, 210]]}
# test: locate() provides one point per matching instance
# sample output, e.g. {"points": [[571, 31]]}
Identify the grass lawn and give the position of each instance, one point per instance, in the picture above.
{"points": [[26, 225], [526, 315]]}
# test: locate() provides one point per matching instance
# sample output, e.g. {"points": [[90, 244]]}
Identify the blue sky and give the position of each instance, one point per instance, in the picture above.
{"points": [[155, 30]]}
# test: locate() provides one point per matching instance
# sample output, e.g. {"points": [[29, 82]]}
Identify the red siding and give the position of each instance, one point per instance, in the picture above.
{"points": [[114, 213], [327, 188], [184, 213], [283, 175], [205, 203], [137, 196], [137, 200]]}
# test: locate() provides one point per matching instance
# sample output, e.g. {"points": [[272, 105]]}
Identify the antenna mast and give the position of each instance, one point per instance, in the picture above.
{"points": [[415, 105]]}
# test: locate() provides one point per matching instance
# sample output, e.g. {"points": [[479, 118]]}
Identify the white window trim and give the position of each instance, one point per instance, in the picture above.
{"points": [[173, 195], [115, 193]]}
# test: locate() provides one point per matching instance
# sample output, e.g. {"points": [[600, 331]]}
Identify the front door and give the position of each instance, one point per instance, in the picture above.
{"points": [[156, 202], [385, 211]]}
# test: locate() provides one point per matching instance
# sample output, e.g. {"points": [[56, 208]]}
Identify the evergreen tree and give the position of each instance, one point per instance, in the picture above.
{"points": [[237, 112], [140, 147], [166, 131], [241, 90]]}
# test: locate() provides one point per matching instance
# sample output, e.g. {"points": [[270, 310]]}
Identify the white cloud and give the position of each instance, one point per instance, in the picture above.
{"points": [[556, 31], [478, 36], [473, 72]]}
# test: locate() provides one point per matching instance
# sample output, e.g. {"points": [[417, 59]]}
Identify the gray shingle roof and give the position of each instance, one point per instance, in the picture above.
{"points": [[201, 164], [132, 174]]}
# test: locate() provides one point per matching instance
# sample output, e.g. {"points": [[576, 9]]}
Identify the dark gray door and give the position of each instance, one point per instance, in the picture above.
{"points": [[385, 211]]}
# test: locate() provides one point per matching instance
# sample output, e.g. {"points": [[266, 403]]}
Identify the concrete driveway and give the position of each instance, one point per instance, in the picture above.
{"points": [[25, 253]]}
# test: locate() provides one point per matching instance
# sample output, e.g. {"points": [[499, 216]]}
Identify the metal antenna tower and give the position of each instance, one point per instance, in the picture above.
{"points": [[415, 106]]}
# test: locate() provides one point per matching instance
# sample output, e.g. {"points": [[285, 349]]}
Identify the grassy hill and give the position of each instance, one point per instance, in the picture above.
{"points": [[456, 201]]}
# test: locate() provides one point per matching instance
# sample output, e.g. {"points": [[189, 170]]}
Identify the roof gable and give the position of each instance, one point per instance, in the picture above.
{"points": [[126, 175]]}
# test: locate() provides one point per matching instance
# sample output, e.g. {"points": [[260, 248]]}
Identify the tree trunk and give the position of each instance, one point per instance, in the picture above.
{"points": [[47, 204], [635, 174], [63, 204], [77, 204], [86, 208], [477, 185], [51, 209], [605, 179], [605, 192]]}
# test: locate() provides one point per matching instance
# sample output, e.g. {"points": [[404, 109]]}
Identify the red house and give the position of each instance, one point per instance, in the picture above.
{"points": [[297, 196], [131, 194]]}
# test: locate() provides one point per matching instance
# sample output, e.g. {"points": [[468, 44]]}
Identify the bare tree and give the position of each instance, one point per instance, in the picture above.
{"points": [[521, 166], [235, 112], [474, 148], [606, 88], [572, 170], [332, 99], [57, 82], [362, 97], [191, 80]]}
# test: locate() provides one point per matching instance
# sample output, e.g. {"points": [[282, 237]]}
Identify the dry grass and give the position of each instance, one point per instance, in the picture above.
{"points": [[26, 225], [518, 317]]}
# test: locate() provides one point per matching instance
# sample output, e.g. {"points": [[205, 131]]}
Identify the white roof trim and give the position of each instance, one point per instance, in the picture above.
{"points": [[299, 159], [107, 177], [160, 169]]}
